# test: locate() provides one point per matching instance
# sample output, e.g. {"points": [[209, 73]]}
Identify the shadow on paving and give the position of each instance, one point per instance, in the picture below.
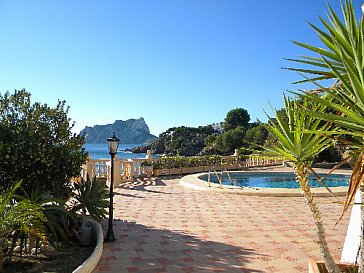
{"points": [[146, 248], [141, 184], [128, 195]]}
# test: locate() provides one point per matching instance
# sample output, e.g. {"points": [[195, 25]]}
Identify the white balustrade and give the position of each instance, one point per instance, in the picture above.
{"points": [[128, 170]]}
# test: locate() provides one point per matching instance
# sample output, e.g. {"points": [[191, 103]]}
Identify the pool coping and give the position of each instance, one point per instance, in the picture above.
{"points": [[192, 181]]}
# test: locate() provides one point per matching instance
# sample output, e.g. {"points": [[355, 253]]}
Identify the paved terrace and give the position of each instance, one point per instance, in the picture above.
{"points": [[162, 226]]}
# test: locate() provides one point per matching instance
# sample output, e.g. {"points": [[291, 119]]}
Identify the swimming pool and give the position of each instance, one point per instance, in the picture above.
{"points": [[275, 180]]}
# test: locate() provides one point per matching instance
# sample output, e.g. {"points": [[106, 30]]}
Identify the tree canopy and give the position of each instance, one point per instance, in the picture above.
{"points": [[185, 141], [37, 145], [235, 118]]}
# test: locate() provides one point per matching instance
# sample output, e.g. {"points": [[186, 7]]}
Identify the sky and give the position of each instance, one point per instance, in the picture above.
{"points": [[172, 62]]}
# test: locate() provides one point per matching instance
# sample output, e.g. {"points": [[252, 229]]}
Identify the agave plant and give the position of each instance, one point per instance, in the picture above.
{"points": [[297, 142], [92, 196], [21, 214], [342, 60]]}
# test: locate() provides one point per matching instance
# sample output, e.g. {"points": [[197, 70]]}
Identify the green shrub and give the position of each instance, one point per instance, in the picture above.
{"points": [[37, 145]]}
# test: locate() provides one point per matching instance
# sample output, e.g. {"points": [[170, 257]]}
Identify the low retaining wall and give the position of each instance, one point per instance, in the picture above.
{"points": [[90, 264]]}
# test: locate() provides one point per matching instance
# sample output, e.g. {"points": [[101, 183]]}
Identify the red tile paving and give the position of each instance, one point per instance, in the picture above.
{"points": [[161, 226]]}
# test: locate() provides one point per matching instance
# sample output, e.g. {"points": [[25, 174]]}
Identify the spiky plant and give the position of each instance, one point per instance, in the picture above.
{"points": [[297, 142], [92, 196], [341, 59], [21, 214]]}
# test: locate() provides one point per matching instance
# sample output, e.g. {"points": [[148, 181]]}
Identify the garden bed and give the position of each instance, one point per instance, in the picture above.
{"points": [[63, 261]]}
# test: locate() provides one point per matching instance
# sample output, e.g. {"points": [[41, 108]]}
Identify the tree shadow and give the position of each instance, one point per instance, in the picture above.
{"points": [[171, 177], [141, 184], [128, 195], [147, 248]]}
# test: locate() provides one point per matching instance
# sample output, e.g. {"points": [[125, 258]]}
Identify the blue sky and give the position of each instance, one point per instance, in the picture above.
{"points": [[172, 62]]}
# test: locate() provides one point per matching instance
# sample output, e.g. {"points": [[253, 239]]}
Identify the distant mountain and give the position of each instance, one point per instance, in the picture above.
{"points": [[131, 131]]}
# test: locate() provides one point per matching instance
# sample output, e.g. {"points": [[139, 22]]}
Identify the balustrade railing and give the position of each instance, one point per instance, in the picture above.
{"points": [[128, 170]]}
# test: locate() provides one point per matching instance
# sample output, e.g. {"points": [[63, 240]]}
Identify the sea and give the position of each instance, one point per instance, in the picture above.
{"points": [[101, 151]]}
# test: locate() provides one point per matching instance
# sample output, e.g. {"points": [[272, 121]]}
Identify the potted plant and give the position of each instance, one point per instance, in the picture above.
{"points": [[187, 165], [228, 163], [175, 165], [147, 167], [197, 164], [160, 167]]}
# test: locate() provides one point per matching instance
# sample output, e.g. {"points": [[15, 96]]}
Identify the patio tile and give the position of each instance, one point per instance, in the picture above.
{"points": [[175, 229]]}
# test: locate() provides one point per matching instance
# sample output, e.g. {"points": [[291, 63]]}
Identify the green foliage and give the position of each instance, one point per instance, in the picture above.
{"points": [[297, 140], [205, 140], [146, 163], [18, 214], [185, 141], [330, 155], [37, 145], [210, 139], [342, 55], [231, 140], [342, 61], [92, 196], [256, 136], [167, 162], [238, 134], [238, 117], [57, 218], [246, 140]]}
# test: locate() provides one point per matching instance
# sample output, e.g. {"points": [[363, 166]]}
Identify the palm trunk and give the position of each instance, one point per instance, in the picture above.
{"points": [[361, 256], [302, 177]]}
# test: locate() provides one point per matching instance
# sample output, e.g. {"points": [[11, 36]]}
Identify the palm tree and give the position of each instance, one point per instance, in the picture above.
{"points": [[298, 143], [20, 215], [342, 60]]}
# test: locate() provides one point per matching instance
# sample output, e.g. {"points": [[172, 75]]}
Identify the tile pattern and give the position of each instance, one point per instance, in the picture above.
{"points": [[161, 226]]}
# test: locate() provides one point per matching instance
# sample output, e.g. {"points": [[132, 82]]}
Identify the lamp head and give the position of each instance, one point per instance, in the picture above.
{"points": [[113, 143]]}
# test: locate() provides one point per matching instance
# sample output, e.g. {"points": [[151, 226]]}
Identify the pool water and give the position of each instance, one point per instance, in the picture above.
{"points": [[275, 180]]}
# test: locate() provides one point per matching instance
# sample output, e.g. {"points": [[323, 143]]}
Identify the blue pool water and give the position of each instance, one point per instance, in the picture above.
{"points": [[276, 180]]}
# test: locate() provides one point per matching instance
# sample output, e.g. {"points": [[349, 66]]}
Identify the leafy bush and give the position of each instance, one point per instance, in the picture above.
{"points": [[37, 145]]}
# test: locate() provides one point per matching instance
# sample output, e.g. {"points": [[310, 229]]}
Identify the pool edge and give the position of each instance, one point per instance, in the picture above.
{"points": [[193, 181]]}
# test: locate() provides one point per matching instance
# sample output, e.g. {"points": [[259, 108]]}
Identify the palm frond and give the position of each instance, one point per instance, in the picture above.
{"points": [[356, 179], [297, 140]]}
